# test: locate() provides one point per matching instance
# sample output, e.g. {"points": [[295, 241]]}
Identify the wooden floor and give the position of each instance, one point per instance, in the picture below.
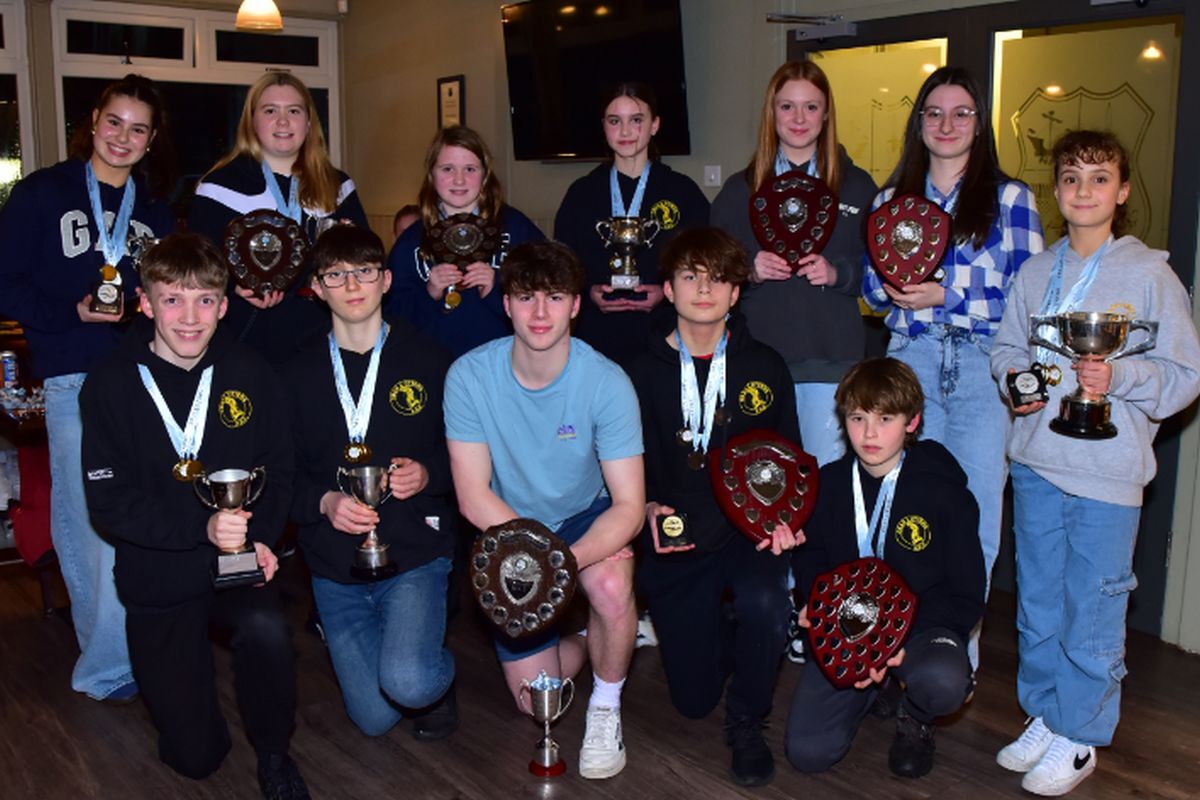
{"points": [[57, 744]]}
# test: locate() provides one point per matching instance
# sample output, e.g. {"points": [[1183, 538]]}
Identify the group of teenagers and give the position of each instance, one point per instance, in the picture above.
{"points": [[546, 394]]}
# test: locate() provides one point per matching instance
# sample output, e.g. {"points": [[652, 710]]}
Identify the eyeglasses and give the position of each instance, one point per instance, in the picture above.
{"points": [[337, 277], [960, 117]]}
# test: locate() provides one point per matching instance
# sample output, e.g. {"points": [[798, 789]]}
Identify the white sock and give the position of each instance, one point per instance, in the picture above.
{"points": [[605, 694]]}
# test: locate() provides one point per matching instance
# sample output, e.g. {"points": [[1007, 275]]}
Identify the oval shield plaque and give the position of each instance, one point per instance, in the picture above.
{"points": [[264, 251], [761, 478], [860, 615], [907, 238], [523, 576], [793, 215], [461, 240]]}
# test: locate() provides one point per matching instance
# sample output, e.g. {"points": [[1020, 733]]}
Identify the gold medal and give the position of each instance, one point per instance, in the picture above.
{"points": [[452, 299], [108, 273], [695, 460], [186, 470], [356, 452]]}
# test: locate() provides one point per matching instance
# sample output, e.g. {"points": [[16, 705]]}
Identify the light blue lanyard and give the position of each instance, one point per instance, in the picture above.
{"points": [[112, 244], [951, 201], [870, 542], [185, 440], [358, 415], [1053, 302], [689, 393], [291, 208], [618, 203], [782, 164]]}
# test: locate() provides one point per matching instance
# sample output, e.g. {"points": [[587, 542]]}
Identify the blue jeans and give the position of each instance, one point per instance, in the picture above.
{"points": [[387, 641], [1074, 576], [86, 560], [820, 428]]}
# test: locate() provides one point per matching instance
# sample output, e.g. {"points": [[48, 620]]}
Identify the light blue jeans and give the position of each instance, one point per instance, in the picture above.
{"points": [[1074, 576], [820, 429], [86, 560], [387, 643]]}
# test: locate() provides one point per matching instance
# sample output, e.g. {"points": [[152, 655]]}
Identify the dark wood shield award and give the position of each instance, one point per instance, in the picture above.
{"points": [[265, 251], [523, 576], [860, 614], [793, 215], [461, 240], [907, 237], [761, 478]]}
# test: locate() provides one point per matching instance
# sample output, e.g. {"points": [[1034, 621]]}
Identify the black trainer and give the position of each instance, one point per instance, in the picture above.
{"points": [[279, 778], [753, 764], [887, 700], [911, 754], [439, 720]]}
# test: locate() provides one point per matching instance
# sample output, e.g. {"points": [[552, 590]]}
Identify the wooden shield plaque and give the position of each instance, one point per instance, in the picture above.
{"points": [[761, 478], [523, 576], [461, 240], [907, 238], [265, 251], [860, 614], [793, 215]]}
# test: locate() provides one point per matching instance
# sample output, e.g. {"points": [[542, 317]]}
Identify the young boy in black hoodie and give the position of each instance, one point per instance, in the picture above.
{"points": [[719, 371], [923, 523], [179, 397]]}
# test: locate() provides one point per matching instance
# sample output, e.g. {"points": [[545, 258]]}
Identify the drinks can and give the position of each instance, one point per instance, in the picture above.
{"points": [[8, 361]]}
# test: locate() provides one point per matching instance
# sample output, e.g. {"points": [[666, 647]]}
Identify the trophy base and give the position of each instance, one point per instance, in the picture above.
{"points": [[625, 281], [625, 294], [373, 564], [552, 771], [235, 579], [238, 569], [1084, 419], [100, 307]]}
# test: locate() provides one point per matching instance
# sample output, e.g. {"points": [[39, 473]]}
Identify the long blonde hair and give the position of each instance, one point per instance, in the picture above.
{"points": [[829, 152], [319, 182], [491, 195]]}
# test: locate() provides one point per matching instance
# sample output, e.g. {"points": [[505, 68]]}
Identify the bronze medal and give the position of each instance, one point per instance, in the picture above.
{"points": [[356, 452], [108, 273], [186, 470], [683, 437], [696, 460]]}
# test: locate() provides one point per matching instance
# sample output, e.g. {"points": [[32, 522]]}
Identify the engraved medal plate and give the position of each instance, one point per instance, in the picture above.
{"points": [[761, 478], [523, 576], [907, 238], [265, 251], [793, 215]]}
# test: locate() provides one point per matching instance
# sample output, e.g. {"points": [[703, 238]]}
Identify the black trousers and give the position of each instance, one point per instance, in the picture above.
{"points": [[172, 658], [823, 720], [699, 642]]}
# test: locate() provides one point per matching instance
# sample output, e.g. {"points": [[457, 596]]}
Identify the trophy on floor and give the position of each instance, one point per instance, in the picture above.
{"points": [[523, 576], [549, 699], [624, 235], [229, 490], [1083, 334], [365, 484]]}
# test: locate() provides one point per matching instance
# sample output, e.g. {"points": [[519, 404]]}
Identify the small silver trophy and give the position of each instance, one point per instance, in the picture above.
{"points": [[549, 699], [229, 490], [1083, 334], [365, 484], [625, 235]]}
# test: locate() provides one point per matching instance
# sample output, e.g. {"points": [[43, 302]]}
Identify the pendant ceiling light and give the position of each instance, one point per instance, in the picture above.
{"points": [[259, 15]]}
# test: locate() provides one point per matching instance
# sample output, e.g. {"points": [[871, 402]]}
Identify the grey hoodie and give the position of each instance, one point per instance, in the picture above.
{"points": [[1146, 388]]}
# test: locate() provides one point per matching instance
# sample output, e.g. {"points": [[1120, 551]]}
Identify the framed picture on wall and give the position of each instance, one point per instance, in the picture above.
{"points": [[452, 101]]}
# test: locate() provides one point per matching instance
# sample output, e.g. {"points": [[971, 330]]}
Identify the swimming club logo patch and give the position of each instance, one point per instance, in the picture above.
{"points": [[666, 214], [913, 533], [407, 397], [566, 432], [755, 398], [234, 408]]}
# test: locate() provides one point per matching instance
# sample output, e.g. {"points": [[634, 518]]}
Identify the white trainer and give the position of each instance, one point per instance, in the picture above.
{"points": [[603, 751], [1025, 752], [1064, 767]]}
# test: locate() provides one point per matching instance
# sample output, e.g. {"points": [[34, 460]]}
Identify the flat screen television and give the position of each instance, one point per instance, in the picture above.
{"points": [[565, 57]]}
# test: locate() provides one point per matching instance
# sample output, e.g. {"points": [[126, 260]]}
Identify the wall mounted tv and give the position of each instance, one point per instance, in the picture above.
{"points": [[565, 57]]}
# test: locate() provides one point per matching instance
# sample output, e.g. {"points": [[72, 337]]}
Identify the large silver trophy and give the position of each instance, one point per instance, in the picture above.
{"points": [[1089, 334], [549, 699], [365, 484], [229, 490], [624, 235]]}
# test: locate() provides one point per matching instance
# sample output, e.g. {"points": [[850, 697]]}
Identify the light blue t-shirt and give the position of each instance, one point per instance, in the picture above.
{"points": [[546, 444]]}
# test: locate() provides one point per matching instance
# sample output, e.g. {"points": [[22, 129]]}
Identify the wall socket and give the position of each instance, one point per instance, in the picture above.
{"points": [[712, 175]]}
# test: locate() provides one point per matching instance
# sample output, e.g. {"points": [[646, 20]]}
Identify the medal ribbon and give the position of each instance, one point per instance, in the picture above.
{"points": [[1053, 302], [358, 415], [635, 204], [186, 440], [689, 393], [783, 164], [291, 208], [112, 243], [870, 542], [951, 201]]}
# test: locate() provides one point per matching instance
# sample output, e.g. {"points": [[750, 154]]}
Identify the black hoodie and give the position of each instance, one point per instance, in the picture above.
{"points": [[158, 525], [669, 479], [932, 535]]}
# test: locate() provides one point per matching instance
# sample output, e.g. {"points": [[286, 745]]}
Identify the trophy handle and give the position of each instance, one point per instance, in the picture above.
{"points": [[341, 487], [604, 228], [568, 691], [1151, 329], [387, 496], [259, 474], [206, 496], [650, 229], [1036, 323]]}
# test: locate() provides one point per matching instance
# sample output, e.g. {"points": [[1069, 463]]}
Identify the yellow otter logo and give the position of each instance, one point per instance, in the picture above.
{"points": [[407, 397], [1124, 309], [234, 408], [666, 214], [755, 398], [913, 533]]}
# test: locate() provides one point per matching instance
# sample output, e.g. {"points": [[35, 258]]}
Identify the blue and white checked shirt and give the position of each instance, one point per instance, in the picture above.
{"points": [[977, 279]]}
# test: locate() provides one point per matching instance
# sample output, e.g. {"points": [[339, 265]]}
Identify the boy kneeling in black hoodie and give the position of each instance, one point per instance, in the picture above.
{"points": [[177, 399]]}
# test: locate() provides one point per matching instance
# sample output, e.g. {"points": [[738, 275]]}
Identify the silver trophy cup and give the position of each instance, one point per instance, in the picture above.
{"points": [[1095, 335], [228, 490], [625, 235], [549, 699], [366, 485]]}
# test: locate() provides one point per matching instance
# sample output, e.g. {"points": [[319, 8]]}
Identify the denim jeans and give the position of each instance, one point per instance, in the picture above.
{"points": [[820, 429], [86, 560], [1074, 576], [387, 641], [964, 412]]}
